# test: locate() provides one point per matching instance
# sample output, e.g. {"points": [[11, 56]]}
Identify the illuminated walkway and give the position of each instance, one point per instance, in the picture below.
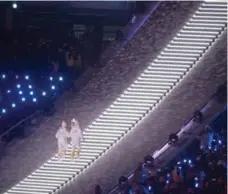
{"points": [[173, 63]]}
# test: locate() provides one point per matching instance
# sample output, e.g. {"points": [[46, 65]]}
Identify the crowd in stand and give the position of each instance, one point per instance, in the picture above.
{"points": [[199, 169], [40, 50]]}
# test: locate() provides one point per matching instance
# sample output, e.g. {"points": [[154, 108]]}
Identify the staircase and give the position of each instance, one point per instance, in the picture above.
{"points": [[149, 89]]}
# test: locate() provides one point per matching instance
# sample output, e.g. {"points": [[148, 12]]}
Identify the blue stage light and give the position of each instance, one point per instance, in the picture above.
{"points": [[29, 86], [26, 77], [31, 93], [3, 76], [3, 110], [23, 99], [8, 91], [20, 92], [52, 87], [44, 93], [51, 78], [18, 85], [60, 78], [34, 99], [13, 105]]}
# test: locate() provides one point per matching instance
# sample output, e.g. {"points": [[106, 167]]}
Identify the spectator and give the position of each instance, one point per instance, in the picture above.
{"points": [[199, 170]]}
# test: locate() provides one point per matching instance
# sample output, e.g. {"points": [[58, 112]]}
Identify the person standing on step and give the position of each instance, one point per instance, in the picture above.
{"points": [[76, 136], [62, 135]]}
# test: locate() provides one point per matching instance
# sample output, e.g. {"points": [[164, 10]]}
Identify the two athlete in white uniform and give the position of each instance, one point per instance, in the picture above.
{"points": [[75, 135]]}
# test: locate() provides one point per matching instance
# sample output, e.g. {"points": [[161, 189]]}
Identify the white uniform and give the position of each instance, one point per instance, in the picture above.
{"points": [[76, 135], [62, 135]]}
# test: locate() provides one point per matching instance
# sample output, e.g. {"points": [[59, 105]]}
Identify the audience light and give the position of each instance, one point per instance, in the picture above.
{"points": [[13, 105], [52, 87], [31, 93], [29, 86], [3, 110], [23, 99], [60, 78], [123, 180], [149, 160], [3, 76], [14, 5], [17, 76], [173, 138], [18, 85], [8, 91], [34, 99], [26, 77], [198, 117], [44, 93], [51, 78], [20, 92]]}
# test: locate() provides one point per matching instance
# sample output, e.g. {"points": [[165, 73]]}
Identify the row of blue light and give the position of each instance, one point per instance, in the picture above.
{"points": [[3, 76]]}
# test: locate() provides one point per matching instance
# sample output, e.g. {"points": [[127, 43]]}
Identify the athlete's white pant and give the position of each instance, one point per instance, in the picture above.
{"points": [[62, 147]]}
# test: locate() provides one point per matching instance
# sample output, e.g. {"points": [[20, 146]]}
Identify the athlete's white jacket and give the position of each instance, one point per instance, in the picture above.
{"points": [[62, 135], [76, 135]]}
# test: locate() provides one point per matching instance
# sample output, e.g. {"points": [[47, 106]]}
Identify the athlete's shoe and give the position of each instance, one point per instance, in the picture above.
{"points": [[74, 154]]}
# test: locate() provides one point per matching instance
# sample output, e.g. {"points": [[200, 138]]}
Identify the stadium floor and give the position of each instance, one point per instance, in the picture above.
{"points": [[21, 156]]}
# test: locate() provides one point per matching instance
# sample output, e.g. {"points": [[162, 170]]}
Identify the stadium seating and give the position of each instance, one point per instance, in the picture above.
{"points": [[200, 168]]}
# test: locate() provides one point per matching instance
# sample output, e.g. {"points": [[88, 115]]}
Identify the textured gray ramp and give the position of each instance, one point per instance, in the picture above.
{"points": [[153, 84]]}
